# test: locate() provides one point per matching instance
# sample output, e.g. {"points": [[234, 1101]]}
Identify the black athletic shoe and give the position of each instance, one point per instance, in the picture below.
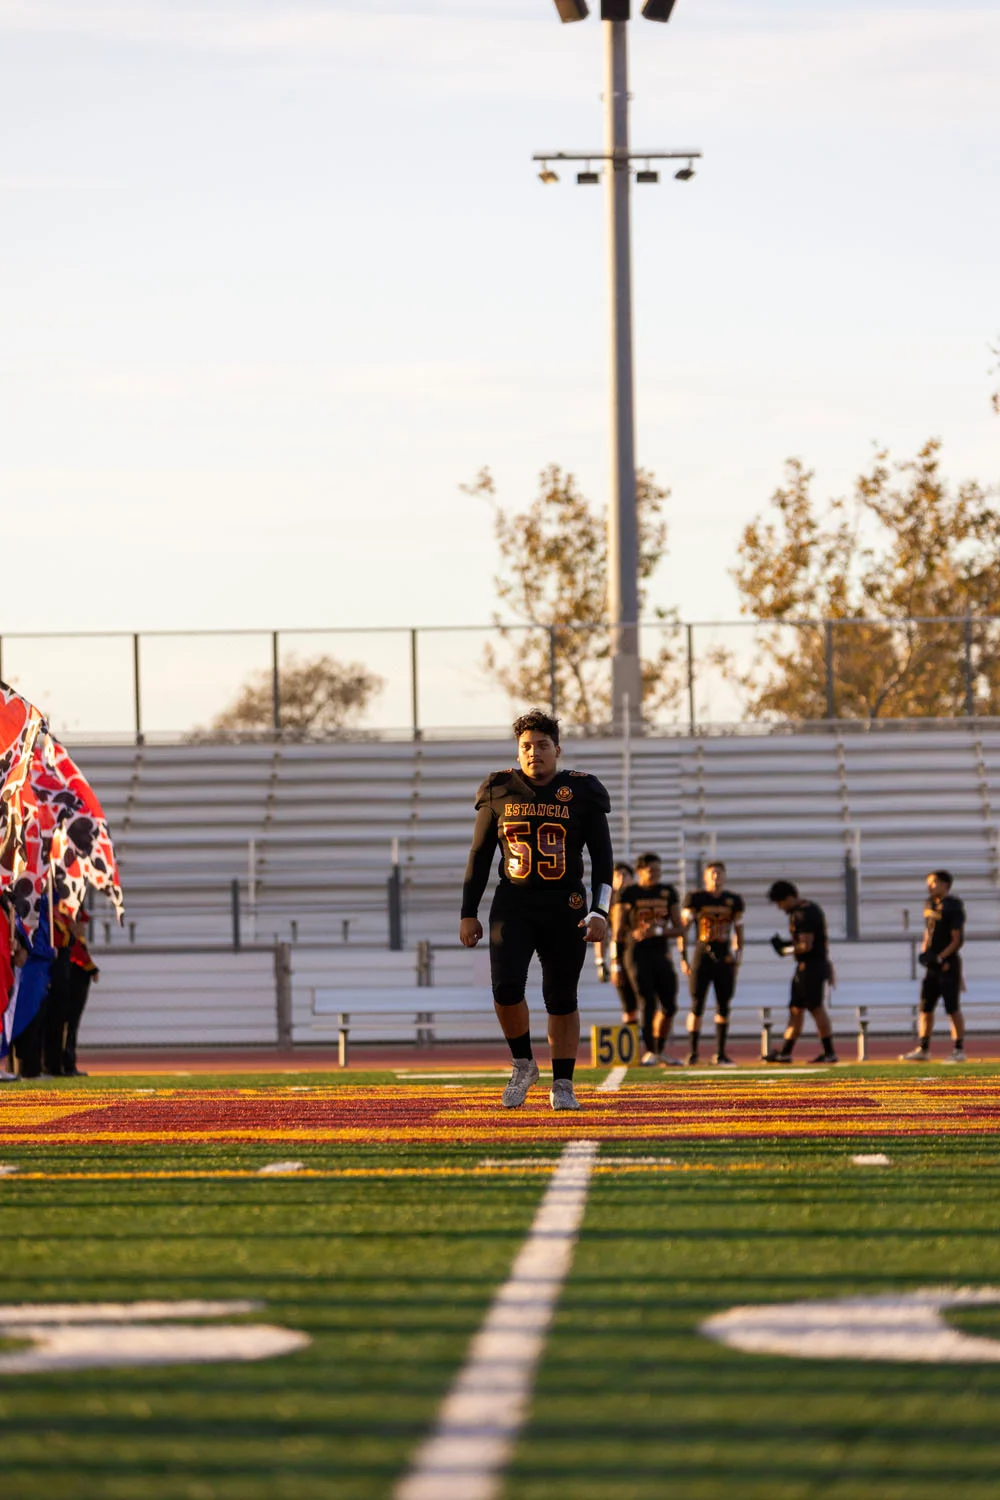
{"points": [[824, 1057], [776, 1056]]}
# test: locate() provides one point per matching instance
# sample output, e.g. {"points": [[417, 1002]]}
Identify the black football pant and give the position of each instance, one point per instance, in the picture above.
{"points": [[707, 971], [654, 980], [523, 925]]}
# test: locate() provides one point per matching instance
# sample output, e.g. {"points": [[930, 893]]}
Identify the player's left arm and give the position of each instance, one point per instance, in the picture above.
{"points": [[738, 935], [597, 839]]}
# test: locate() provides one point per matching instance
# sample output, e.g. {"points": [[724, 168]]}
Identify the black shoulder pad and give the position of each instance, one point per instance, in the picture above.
{"points": [[599, 793]]}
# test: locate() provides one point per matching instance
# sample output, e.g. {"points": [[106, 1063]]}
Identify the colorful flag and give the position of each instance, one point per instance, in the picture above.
{"points": [[20, 727]]}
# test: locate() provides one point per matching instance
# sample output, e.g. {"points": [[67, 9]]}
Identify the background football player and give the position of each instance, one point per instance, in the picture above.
{"points": [[944, 934], [647, 916], [809, 944], [717, 918]]}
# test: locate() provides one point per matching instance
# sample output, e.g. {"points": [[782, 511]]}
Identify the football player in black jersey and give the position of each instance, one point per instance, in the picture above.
{"points": [[717, 917], [542, 818], [610, 957], [944, 934], [647, 916], [813, 970]]}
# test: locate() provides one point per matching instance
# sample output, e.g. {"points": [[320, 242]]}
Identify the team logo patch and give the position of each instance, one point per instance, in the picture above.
{"points": [[576, 901], [564, 793]]}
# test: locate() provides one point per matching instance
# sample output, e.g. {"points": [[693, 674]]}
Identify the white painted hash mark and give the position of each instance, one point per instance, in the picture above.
{"points": [[481, 1416], [106, 1335], [279, 1168], [872, 1159], [908, 1327], [613, 1082]]}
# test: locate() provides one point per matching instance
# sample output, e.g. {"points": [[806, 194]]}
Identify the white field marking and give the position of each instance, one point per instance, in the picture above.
{"points": [[7, 1169], [613, 1082], [104, 1335], [280, 1168], [481, 1416], [908, 1327], [873, 1159]]}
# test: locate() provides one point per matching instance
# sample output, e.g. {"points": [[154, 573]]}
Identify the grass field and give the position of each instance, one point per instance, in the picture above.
{"points": [[386, 1248]]}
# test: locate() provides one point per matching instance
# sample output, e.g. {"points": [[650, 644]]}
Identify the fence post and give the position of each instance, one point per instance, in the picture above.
{"points": [[137, 688], [970, 685], [275, 683], [553, 685], [831, 696], [235, 898], [283, 994], [395, 902], [690, 676], [425, 964], [414, 686], [851, 902]]}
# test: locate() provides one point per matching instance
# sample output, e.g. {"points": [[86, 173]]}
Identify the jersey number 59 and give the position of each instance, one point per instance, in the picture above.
{"points": [[546, 853]]}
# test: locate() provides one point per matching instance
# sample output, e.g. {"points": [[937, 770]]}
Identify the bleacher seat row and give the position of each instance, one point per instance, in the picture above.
{"points": [[307, 830]]}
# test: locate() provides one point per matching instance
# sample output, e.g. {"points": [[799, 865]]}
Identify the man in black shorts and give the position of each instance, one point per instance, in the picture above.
{"points": [[610, 958], [717, 917], [647, 916], [944, 934], [810, 946], [542, 818]]}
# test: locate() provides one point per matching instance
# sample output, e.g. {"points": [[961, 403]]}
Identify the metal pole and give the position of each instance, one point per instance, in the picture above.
{"points": [[626, 776], [414, 687], [395, 901], [252, 887], [283, 995], [235, 897], [831, 696], [623, 532], [553, 684], [137, 689], [970, 684], [275, 682], [690, 666]]}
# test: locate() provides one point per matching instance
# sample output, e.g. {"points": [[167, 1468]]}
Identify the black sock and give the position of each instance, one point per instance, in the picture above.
{"points": [[924, 1044], [827, 1045], [786, 1046], [659, 1042], [562, 1067], [520, 1046], [694, 1037], [721, 1032]]}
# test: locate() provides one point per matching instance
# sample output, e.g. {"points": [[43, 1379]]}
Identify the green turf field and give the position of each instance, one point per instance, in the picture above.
{"points": [[390, 1275]]}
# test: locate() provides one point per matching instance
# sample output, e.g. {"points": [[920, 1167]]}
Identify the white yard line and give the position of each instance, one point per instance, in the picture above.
{"points": [[613, 1082], [482, 1414]]}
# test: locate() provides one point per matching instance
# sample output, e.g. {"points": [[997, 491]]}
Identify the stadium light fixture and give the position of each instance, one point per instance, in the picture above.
{"points": [[658, 10], [572, 10], [647, 174], [685, 174], [547, 175], [587, 177], [615, 10]]}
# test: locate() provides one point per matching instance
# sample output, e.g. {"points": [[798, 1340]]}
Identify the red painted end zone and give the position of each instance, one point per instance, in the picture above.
{"points": [[745, 1109]]}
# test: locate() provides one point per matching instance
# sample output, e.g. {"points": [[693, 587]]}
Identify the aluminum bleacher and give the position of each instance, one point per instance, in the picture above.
{"points": [[308, 830]]}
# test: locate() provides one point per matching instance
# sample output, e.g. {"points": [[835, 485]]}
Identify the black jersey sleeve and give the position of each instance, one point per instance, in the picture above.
{"points": [[739, 906], [952, 914], [602, 859], [484, 845]]}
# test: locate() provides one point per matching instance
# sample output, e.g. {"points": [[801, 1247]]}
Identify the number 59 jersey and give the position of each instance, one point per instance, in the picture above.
{"points": [[541, 833]]}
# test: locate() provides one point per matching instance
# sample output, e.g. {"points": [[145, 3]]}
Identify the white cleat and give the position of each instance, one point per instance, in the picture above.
{"points": [[670, 1062], [523, 1074], [561, 1095], [957, 1056], [648, 1060], [917, 1055]]}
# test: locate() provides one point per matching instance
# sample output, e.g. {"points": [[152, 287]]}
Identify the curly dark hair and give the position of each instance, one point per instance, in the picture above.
{"points": [[537, 720], [781, 890]]}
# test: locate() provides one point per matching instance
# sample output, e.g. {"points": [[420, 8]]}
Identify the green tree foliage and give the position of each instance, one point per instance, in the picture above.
{"points": [[319, 697], [906, 544], [553, 575]]}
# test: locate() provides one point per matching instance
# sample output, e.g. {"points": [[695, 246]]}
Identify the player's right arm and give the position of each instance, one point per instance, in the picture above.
{"points": [[477, 870], [687, 917]]}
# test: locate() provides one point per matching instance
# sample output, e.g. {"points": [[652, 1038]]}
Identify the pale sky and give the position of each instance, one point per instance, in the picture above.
{"points": [[278, 275]]}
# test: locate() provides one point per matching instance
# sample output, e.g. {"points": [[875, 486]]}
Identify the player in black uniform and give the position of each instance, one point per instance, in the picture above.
{"points": [[944, 934], [542, 818], [610, 957], [813, 970], [647, 916], [717, 917]]}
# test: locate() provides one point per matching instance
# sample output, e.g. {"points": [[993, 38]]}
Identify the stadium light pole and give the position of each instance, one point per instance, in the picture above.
{"points": [[623, 521]]}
